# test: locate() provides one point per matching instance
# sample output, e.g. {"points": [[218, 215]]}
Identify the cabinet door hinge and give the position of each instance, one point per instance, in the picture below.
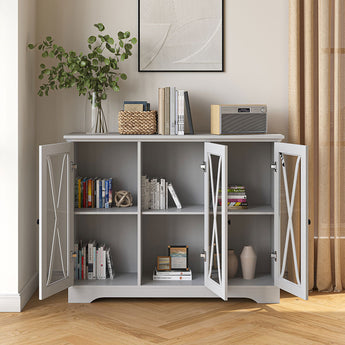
{"points": [[203, 166], [74, 166], [274, 255], [203, 255], [274, 166]]}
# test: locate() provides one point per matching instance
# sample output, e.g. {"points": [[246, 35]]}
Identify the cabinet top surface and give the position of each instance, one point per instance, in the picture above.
{"points": [[116, 137]]}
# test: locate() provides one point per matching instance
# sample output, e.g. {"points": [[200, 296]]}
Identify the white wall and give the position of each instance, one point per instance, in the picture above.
{"points": [[9, 147], [256, 62], [18, 233], [27, 145]]}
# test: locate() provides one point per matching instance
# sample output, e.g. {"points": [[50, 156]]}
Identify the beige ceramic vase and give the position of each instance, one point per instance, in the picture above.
{"points": [[248, 262], [232, 264]]}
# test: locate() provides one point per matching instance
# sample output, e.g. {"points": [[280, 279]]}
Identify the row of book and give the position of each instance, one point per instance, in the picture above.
{"points": [[92, 261], [236, 197], [93, 192], [172, 275], [173, 107], [155, 194]]}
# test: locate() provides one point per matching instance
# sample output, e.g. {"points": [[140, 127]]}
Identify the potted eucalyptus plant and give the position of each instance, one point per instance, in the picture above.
{"points": [[93, 73]]}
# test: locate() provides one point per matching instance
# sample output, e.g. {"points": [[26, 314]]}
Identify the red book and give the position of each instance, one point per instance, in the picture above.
{"points": [[84, 193], [89, 192]]}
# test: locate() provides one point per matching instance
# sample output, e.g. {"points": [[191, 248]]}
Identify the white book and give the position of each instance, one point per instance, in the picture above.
{"points": [[157, 196], [174, 196], [153, 194], [97, 193], [155, 277], [162, 194], [173, 273], [94, 256], [172, 110], [180, 112], [166, 196]]}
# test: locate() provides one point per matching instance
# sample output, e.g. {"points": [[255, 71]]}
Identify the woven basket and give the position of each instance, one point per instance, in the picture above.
{"points": [[138, 122]]}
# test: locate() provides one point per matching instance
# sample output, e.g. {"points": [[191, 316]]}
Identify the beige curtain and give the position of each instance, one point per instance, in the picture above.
{"points": [[317, 119]]}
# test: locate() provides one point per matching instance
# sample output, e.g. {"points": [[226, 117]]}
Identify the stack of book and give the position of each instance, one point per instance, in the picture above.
{"points": [[92, 261], [237, 197], [173, 107], [93, 192], [172, 275], [155, 194]]}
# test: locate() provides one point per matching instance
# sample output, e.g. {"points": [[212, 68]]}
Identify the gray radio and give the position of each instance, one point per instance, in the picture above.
{"points": [[238, 119]]}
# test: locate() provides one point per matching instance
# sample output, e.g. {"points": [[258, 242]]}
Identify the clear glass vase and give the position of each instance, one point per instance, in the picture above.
{"points": [[96, 111]]}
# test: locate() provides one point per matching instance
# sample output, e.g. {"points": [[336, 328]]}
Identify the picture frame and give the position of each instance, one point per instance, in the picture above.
{"points": [[181, 36], [178, 257], [163, 263]]}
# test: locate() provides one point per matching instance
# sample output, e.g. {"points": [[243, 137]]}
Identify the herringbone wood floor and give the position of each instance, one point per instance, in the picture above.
{"points": [[321, 320]]}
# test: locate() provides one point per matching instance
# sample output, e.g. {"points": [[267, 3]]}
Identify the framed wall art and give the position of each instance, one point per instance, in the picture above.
{"points": [[180, 35]]}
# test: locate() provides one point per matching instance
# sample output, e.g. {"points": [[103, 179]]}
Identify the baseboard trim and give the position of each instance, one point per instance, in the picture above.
{"points": [[13, 303], [28, 290]]}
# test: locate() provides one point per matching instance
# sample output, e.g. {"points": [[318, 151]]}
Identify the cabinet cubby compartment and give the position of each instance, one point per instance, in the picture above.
{"points": [[249, 164], [118, 233], [257, 232], [179, 164], [160, 232], [116, 160]]}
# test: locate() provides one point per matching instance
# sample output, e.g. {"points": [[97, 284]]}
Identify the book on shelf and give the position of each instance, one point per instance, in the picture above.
{"points": [[92, 261], [167, 110], [136, 106], [171, 275], [93, 192], [188, 114], [173, 108], [174, 272], [236, 197], [174, 196], [155, 194]]}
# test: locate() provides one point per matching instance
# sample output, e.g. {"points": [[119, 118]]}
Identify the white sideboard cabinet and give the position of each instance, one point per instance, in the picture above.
{"points": [[200, 167]]}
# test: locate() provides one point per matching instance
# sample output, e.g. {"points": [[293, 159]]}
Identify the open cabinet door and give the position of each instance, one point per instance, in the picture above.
{"points": [[216, 223], [291, 218], [56, 223]]}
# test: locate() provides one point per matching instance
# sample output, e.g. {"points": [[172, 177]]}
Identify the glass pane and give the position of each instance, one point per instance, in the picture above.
{"points": [[215, 225], [290, 240], [57, 226]]}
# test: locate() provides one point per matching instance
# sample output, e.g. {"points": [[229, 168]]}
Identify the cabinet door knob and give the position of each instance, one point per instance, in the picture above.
{"points": [[203, 166]]}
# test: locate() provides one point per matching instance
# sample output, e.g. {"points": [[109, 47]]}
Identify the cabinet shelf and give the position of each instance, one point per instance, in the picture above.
{"points": [[106, 211], [120, 279], [187, 210], [260, 280]]}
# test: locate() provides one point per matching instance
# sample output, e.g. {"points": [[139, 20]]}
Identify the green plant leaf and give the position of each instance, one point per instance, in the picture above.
{"points": [[95, 62], [123, 76], [49, 39], [100, 26], [127, 34], [107, 61], [91, 39], [120, 35], [123, 56], [134, 40], [42, 65], [45, 54], [82, 63], [31, 46], [110, 40], [121, 43]]}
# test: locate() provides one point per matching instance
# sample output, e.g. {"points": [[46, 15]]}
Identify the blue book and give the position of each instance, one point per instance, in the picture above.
{"points": [[106, 201]]}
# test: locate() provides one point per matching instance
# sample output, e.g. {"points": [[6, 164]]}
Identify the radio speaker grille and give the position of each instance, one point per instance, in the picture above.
{"points": [[243, 123]]}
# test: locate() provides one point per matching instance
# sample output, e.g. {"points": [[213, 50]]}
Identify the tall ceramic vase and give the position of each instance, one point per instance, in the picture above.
{"points": [[248, 262], [232, 264]]}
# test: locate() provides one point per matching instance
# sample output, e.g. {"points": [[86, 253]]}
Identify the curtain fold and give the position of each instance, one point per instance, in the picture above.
{"points": [[316, 119]]}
